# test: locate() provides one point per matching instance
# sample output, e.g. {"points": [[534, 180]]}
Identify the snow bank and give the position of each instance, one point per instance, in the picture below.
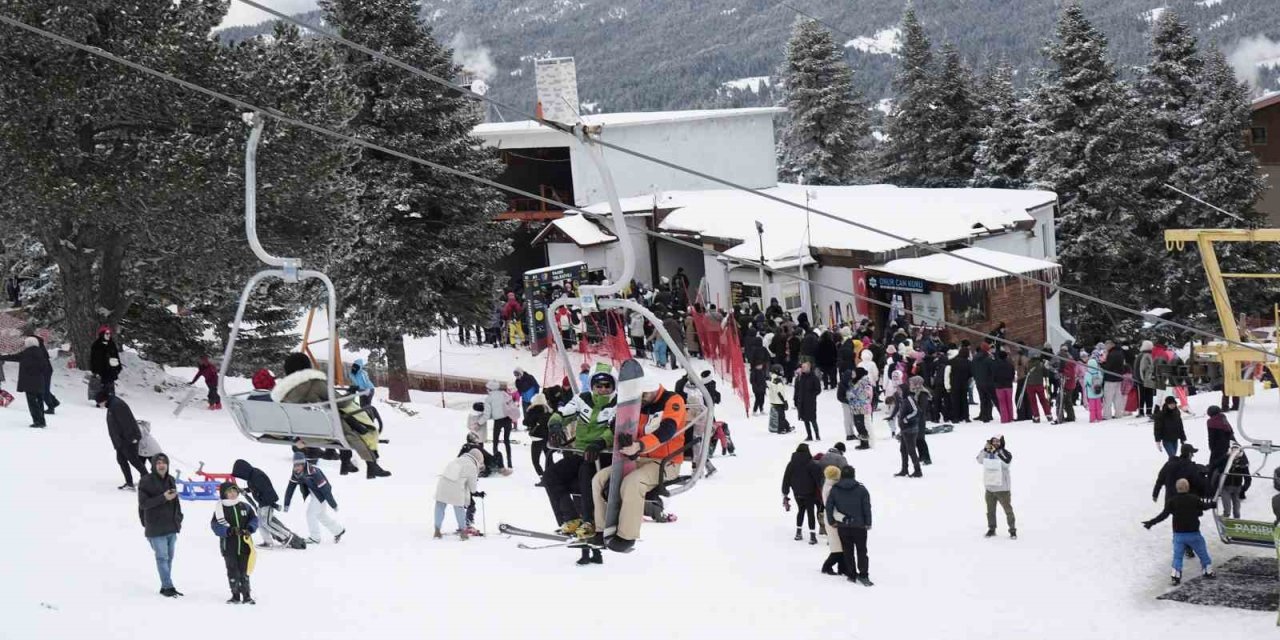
{"points": [[884, 42]]}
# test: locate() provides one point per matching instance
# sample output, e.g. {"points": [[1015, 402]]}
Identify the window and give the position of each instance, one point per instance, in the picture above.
{"points": [[968, 306], [791, 300], [1258, 135]]}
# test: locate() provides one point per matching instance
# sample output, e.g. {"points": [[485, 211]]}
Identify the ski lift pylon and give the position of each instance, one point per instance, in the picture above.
{"points": [[317, 424]]}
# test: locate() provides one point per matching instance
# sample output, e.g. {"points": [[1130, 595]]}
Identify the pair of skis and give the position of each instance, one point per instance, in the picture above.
{"points": [[555, 539]]}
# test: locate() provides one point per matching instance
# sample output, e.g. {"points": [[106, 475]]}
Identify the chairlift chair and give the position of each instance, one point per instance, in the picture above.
{"points": [[259, 419], [1254, 533]]}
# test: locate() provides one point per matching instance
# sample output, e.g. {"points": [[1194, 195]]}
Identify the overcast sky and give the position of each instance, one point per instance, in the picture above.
{"points": [[242, 14]]}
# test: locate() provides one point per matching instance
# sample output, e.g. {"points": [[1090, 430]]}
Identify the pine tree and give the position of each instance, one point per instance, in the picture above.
{"points": [[1093, 146], [1001, 158], [421, 248], [904, 157], [956, 121], [825, 138]]}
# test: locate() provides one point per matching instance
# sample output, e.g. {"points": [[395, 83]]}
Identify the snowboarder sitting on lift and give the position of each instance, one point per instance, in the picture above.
{"points": [[593, 413], [303, 384], [234, 522], [662, 420]]}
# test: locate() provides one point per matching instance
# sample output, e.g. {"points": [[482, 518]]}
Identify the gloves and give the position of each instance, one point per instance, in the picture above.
{"points": [[786, 503], [624, 440], [478, 494], [1148, 524], [592, 452]]}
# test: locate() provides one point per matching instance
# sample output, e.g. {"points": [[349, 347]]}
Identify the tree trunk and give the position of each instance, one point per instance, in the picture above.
{"points": [[397, 371], [78, 302]]}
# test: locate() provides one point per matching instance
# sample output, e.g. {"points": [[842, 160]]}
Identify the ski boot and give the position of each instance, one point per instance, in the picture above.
{"points": [[235, 591], [348, 467], [586, 533], [373, 470]]}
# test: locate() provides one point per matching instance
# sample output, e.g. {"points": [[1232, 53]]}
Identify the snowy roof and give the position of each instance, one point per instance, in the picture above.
{"points": [[625, 119], [932, 216], [581, 231], [1266, 100], [941, 268]]}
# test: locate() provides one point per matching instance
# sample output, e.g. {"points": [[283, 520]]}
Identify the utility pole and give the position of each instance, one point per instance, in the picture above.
{"points": [[760, 235]]}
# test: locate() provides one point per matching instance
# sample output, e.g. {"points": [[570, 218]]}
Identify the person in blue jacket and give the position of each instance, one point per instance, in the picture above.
{"points": [[527, 386], [234, 522], [360, 380], [314, 482]]}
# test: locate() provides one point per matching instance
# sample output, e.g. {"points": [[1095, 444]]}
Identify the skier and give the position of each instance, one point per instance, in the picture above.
{"points": [[1168, 426], [33, 372], [660, 435], [234, 522], [303, 384], [259, 487], [526, 386], [834, 564], [591, 415], [160, 512], [849, 511], [313, 482], [125, 436], [206, 370], [807, 388], [1186, 509], [776, 395], [802, 478], [995, 460], [104, 359], [457, 488]]}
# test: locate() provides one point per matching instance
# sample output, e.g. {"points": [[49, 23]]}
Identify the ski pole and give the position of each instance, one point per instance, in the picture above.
{"points": [[484, 523]]}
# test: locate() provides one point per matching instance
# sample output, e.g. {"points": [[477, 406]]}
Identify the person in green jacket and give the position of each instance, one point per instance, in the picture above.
{"points": [[582, 429]]}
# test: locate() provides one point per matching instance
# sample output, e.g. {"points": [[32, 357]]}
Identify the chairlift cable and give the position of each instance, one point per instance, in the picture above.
{"points": [[734, 185]]}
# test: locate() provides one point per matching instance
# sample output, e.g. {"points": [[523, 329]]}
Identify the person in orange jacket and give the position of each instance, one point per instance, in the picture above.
{"points": [[662, 424]]}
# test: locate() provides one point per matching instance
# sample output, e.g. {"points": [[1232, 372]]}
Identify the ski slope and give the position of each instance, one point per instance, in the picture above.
{"points": [[1083, 566]]}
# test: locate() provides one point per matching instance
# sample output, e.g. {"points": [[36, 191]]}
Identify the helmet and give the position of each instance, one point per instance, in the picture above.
{"points": [[603, 377]]}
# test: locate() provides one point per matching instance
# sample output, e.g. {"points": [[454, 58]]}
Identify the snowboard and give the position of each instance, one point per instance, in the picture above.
{"points": [[509, 530], [627, 421]]}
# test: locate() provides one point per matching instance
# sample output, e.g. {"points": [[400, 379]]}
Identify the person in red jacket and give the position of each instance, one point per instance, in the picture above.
{"points": [[511, 319], [209, 372]]}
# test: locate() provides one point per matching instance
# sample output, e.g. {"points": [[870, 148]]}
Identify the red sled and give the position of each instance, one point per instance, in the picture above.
{"points": [[6, 398]]}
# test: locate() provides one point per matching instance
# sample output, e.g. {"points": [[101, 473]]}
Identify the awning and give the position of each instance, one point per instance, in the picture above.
{"points": [[943, 268]]}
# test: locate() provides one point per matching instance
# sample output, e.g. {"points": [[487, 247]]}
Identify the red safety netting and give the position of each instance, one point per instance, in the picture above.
{"points": [[722, 348], [605, 339]]}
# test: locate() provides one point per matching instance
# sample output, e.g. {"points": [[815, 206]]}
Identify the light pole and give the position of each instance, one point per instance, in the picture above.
{"points": [[760, 235]]}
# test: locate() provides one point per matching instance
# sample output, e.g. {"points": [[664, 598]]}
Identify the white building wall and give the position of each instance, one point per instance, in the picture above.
{"points": [[717, 278], [739, 148], [564, 253], [824, 298]]}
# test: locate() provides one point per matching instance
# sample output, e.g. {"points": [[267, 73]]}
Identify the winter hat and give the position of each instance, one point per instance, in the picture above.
{"points": [[848, 473], [296, 362], [262, 379], [298, 458], [915, 383], [1168, 400], [477, 407], [30, 341], [225, 487], [539, 400], [832, 473], [891, 350], [803, 448], [478, 456], [1146, 346], [840, 446], [518, 372], [103, 329], [1214, 410]]}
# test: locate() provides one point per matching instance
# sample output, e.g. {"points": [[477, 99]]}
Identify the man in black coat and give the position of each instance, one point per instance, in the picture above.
{"points": [[123, 429], [33, 373], [807, 388], [104, 359], [1179, 468], [849, 512], [1113, 375], [984, 380], [160, 511], [959, 374], [50, 402]]}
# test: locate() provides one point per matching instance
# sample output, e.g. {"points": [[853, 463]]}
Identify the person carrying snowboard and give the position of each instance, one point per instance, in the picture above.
{"points": [[209, 372], [234, 522], [660, 435], [585, 425]]}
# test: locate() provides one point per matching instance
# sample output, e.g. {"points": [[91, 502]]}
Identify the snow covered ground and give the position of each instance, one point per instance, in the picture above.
{"points": [[78, 565]]}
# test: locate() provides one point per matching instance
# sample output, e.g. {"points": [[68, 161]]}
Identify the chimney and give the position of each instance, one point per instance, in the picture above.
{"points": [[557, 80]]}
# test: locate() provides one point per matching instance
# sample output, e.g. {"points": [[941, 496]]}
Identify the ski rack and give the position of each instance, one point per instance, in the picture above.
{"points": [[300, 420], [593, 297]]}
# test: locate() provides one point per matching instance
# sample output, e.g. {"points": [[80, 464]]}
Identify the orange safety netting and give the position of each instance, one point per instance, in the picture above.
{"points": [[605, 339]]}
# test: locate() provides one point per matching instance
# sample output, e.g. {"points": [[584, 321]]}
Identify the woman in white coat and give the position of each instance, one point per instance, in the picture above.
{"points": [[834, 564], [455, 487]]}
